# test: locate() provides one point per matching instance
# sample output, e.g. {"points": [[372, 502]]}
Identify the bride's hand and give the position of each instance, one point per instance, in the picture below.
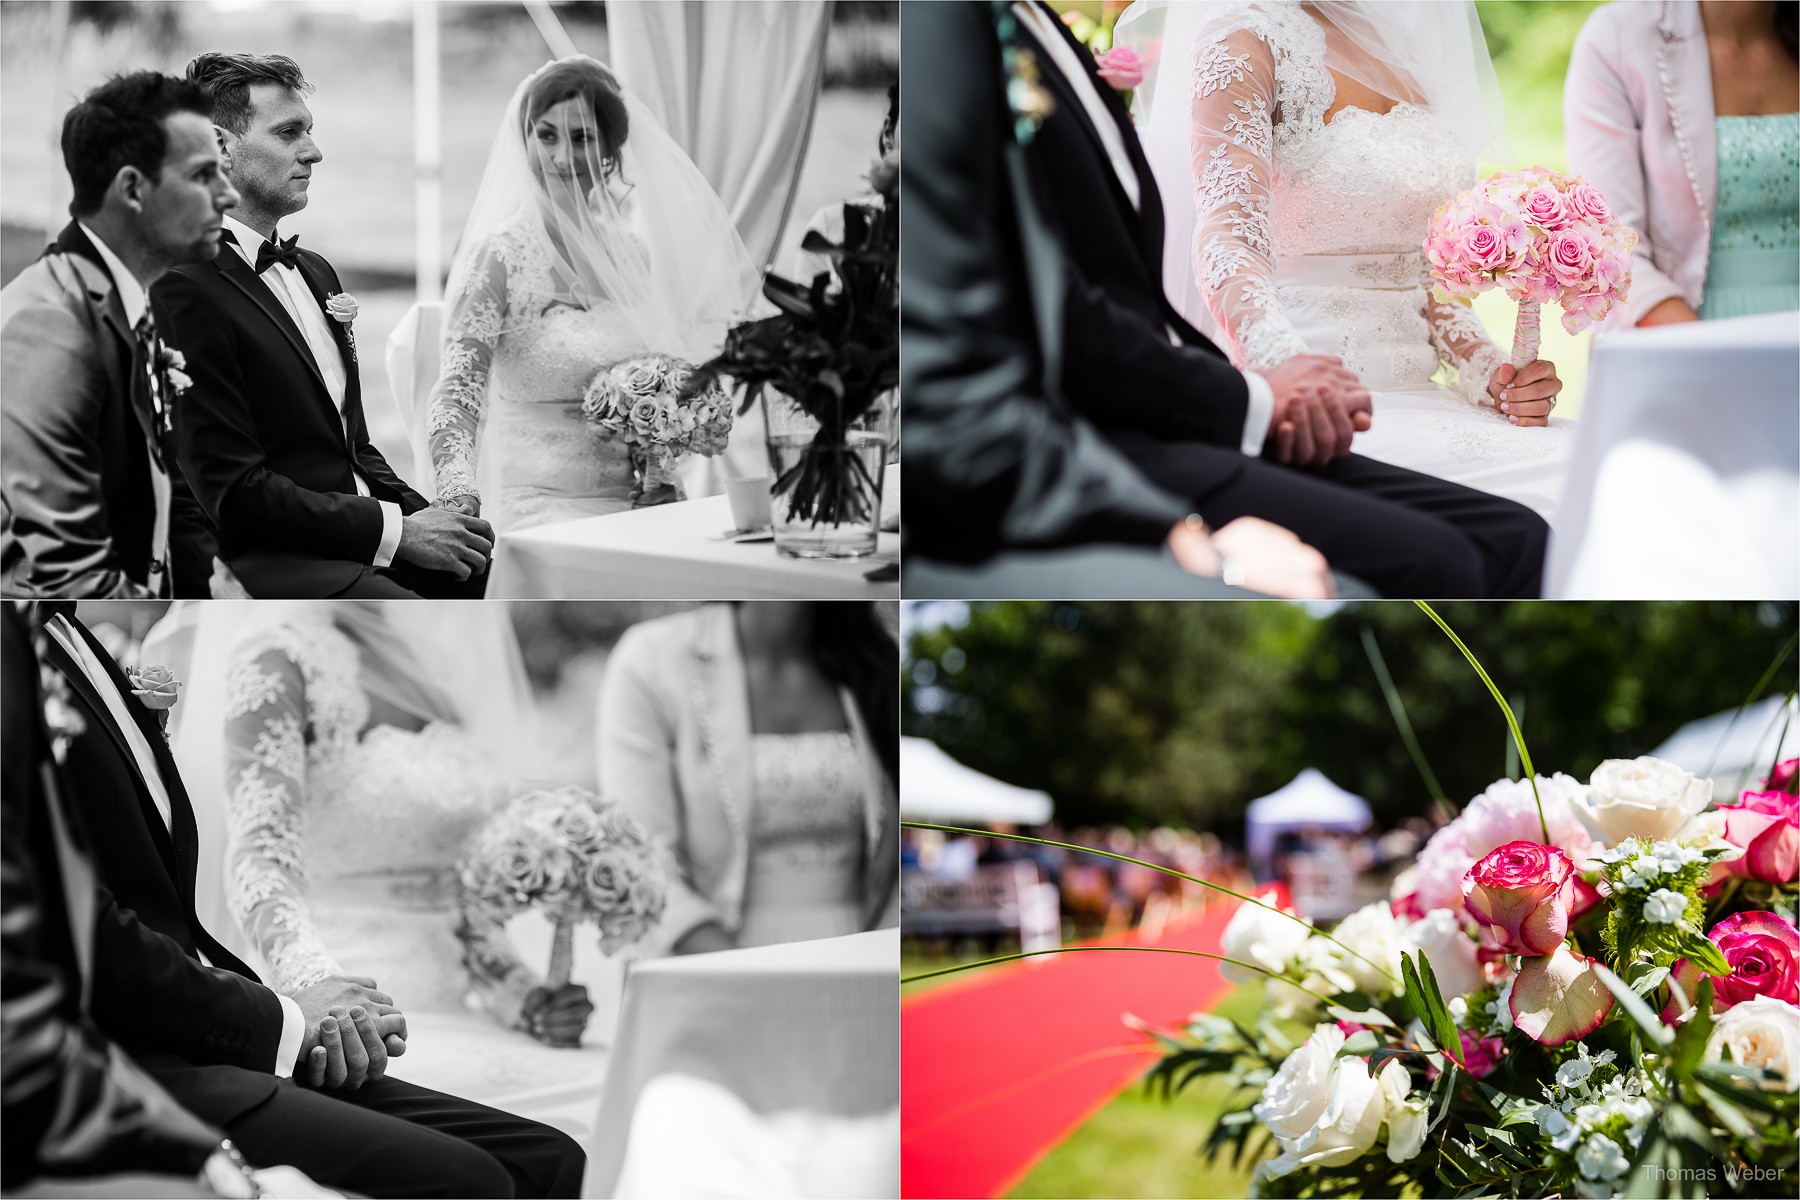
{"points": [[556, 1016], [468, 506], [1525, 396]]}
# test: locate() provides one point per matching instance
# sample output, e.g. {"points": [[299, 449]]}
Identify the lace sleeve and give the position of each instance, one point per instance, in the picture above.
{"points": [[470, 337], [499, 978], [1232, 132], [265, 787], [1462, 344]]}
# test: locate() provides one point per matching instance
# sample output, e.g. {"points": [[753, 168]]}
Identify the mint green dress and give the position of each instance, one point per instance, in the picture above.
{"points": [[1754, 263]]}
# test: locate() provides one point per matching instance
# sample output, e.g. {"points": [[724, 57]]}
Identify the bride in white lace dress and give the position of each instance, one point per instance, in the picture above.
{"points": [[1301, 149], [593, 241], [338, 755]]}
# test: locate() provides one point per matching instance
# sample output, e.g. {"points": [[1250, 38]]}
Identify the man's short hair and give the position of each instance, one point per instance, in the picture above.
{"points": [[228, 78], [120, 124]]}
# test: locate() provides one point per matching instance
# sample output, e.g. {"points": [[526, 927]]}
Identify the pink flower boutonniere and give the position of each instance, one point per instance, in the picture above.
{"points": [[341, 307], [157, 689], [1122, 70]]}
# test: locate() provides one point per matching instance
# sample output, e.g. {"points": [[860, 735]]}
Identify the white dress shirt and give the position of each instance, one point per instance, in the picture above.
{"points": [[293, 1022], [134, 299], [1259, 412], [297, 298]]}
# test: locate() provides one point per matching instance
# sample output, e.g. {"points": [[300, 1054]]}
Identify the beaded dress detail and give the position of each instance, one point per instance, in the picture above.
{"points": [[806, 838]]}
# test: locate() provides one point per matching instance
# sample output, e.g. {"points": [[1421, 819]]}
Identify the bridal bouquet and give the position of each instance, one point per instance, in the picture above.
{"points": [[1541, 237], [644, 403], [574, 857], [1588, 990]]}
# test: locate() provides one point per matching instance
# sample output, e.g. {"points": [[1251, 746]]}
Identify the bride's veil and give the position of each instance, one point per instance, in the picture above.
{"points": [[1430, 52], [650, 236], [443, 660]]}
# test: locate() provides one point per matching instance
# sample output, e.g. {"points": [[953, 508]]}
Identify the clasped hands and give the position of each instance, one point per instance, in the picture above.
{"points": [[352, 1029]]}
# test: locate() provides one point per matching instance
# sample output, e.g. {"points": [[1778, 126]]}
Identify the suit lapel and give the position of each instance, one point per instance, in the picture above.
{"points": [[243, 276], [74, 240], [99, 712]]}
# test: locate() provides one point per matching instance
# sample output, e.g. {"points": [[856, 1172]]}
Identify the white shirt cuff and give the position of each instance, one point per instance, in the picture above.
{"points": [[293, 1032], [390, 532], [1259, 413]]}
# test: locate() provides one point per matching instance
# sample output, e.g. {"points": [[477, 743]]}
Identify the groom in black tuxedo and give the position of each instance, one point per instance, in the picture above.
{"points": [[272, 437], [264, 1068], [1053, 396]]}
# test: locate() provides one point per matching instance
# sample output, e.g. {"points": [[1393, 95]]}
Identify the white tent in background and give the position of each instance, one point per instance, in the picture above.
{"points": [[1706, 747], [935, 787], [1309, 801]]}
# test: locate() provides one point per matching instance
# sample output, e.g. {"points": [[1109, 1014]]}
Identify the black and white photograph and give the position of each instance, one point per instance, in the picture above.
{"points": [[448, 300], [451, 899]]}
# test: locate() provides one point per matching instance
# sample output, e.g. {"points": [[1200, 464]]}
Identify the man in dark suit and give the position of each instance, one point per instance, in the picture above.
{"points": [[219, 1040], [93, 503], [273, 438], [1053, 397]]}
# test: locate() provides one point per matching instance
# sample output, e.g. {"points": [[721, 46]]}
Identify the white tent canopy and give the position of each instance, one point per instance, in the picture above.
{"points": [[935, 787], [1704, 746], [1309, 801]]}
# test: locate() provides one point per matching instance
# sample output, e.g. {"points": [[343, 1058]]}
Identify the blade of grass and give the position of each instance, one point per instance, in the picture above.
{"points": [[1397, 708], [1512, 722], [1236, 962], [1755, 695]]}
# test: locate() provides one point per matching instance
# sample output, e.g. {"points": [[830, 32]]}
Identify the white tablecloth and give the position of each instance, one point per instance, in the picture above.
{"points": [[798, 1039], [669, 552], [1685, 478]]}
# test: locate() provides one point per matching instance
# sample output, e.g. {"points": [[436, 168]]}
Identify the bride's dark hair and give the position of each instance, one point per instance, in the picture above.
{"points": [[591, 81], [854, 650]]}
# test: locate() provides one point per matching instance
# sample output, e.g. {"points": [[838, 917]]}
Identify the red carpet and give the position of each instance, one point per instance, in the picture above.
{"points": [[998, 1069]]}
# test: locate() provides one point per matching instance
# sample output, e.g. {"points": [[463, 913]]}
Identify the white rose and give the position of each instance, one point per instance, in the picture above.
{"points": [[1294, 1099], [1373, 932], [1762, 1032], [1640, 797], [1351, 1120], [1406, 1118], [1256, 935], [1439, 936]]}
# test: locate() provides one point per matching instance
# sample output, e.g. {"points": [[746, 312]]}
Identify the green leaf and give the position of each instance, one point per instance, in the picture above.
{"points": [[1360, 1044], [1701, 951], [1633, 1004], [1369, 1016]]}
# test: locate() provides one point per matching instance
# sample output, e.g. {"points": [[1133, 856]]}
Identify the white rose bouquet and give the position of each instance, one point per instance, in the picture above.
{"points": [[574, 857], [1578, 990], [640, 403]]}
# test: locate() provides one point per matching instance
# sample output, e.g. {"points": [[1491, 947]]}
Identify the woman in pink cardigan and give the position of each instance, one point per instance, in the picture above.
{"points": [[1683, 115]]}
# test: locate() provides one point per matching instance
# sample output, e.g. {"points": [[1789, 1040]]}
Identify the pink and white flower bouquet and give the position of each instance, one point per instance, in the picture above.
{"points": [[574, 857], [640, 402], [1577, 990], [1541, 237]]}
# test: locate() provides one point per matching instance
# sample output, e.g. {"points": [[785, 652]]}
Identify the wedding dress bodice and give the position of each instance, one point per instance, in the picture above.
{"points": [[1309, 232], [806, 838], [520, 358], [345, 839]]}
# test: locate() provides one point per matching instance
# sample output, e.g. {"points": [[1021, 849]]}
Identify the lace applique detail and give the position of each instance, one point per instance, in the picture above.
{"points": [[1215, 66]]}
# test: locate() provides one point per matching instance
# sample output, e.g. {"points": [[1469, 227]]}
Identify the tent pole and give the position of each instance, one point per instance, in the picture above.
{"points": [[427, 160]]}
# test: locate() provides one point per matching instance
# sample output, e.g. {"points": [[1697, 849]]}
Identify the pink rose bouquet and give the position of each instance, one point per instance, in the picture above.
{"points": [[574, 857], [640, 403], [1540, 236]]}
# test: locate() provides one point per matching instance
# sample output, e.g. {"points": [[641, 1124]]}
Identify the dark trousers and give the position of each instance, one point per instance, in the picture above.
{"points": [[403, 581], [393, 1138], [1407, 535]]}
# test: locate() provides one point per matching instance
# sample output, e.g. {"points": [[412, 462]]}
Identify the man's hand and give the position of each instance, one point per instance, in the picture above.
{"points": [[438, 539], [1266, 558], [224, 585], [1526, 395], [556, 1016], [1319, 408], [289, 1183], [351, 1031]]}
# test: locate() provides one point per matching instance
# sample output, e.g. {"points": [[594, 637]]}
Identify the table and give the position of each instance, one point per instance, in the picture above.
{"points": [[667, 552], [1684, 482], [805, 1027]]}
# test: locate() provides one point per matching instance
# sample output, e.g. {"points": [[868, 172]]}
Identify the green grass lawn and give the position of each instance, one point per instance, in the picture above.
{"points": [[1141, 1145]]}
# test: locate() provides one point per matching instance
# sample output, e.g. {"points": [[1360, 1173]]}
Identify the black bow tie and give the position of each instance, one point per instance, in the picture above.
{"points": [[272, 252]]}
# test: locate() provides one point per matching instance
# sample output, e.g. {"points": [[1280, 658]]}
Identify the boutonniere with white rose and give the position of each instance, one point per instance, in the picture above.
{"points": [[341, 307], [157, 689]]}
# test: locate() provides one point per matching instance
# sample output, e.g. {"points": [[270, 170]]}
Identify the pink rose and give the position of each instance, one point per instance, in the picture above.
{"points": [[1482, 248], [1786, 775], [1766, 827], [1571, 257], [1121, 68], [1524, 890], [1584, 200], [1764, 953], [1543, 206]]}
